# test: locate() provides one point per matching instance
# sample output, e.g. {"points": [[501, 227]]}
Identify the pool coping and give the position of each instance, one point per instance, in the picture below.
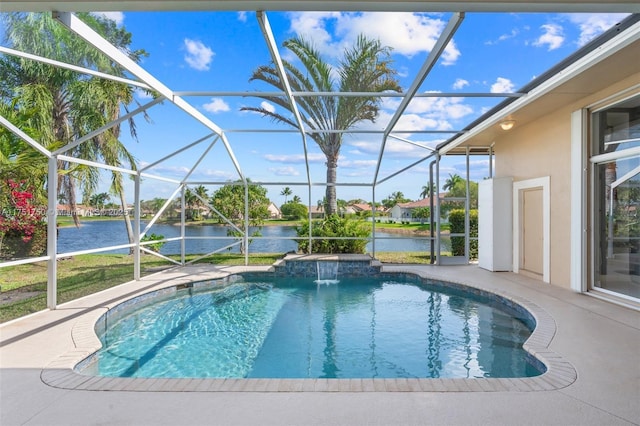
{"points": [[60, 373]]}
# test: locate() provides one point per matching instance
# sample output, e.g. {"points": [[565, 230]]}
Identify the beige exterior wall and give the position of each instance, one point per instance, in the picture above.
{"points": [[543, 148]]}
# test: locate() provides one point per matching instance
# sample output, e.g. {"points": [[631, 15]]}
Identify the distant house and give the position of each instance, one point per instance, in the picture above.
{"points": [[404, 211], [361, 207], [316, 212], [274, 211]]}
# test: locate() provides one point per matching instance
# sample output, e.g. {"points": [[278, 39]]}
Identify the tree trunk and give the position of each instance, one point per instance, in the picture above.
{"points": [[127, 220], [332, 200]]}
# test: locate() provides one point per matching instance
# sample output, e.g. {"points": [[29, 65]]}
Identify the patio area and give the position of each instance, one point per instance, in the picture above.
{"points": [[600, 340]]}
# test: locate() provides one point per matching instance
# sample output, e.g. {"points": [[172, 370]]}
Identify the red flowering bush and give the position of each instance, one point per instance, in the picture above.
{"points": [[21, 221]]}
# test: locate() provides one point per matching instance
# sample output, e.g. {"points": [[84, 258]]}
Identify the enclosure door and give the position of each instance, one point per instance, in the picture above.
{"points": [[531, 231]]}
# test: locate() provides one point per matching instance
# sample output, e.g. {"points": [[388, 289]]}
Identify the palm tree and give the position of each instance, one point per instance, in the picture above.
{"points": [[296, 200], [428, 191], [393, 199], [68, 104], [452, 181], [98, 200], [201, 191], [286, 191], [190, 200], [365, 67]]}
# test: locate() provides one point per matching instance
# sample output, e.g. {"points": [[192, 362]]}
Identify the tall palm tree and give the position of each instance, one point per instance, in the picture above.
{"points": [[68, 104], [365, 67], [286, 191]]}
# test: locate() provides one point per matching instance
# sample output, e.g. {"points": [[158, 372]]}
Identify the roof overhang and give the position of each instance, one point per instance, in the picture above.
{"points": [[593, 6]]}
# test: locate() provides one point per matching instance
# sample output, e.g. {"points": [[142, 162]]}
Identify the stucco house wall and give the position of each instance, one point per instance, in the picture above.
{"points": [[542, 148]]}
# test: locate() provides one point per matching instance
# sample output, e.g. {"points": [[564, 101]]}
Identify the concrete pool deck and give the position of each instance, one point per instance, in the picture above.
{"points": [[600, 341]]}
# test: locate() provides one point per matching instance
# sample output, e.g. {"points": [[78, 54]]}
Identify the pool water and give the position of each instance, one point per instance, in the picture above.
{"points": [[358, 328]]}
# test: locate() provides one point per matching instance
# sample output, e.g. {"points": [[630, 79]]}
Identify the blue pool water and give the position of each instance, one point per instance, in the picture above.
{"points": [[382, 327]]}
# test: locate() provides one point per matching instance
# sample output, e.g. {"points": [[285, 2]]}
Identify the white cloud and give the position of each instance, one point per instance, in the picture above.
{"points": [[198, 55], [416, 122], [552, 37], [502, 85], [407, 33], [429, 113], [295, 158], [216, 105], [117, 17], [215, 173], [142, 94], [440, 108], [284, 171], [268, 106], [181, 171], [504, 37], [311, 25], [593, 24], [364, 147], [460, 83], [357, 164], [242, 16]]}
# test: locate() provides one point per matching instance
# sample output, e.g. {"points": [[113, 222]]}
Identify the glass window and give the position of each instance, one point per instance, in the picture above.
{"points": [[617, 128]]}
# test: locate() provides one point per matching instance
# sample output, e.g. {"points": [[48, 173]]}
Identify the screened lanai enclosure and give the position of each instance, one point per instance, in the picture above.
{"points": [[194, 146]]}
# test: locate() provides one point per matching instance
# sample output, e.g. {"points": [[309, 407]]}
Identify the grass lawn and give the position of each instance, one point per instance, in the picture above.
{"points": [[23, 288]]}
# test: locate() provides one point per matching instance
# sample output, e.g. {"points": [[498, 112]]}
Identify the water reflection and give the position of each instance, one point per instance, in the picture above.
{"points": [[97, 234]]}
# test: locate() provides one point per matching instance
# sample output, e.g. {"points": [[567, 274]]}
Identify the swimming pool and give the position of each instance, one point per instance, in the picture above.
{"points": [[256, 325]]}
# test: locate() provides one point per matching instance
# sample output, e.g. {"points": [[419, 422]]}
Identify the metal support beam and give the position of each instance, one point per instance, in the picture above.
{"points": [[52, 232], [432, 58], [22, 135], [87, 33], [136, 228], [76, 68], [277, 60], [107, 126]]}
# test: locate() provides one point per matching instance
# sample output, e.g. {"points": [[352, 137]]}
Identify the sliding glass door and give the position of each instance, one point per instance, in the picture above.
{"points": [[615, 171]]}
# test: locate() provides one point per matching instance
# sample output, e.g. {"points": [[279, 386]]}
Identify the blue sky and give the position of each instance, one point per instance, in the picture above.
{"points": [[218, 51]]}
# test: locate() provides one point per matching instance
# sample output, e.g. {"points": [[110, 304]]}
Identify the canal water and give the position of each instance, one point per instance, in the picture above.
{"points": [[105, 233]]}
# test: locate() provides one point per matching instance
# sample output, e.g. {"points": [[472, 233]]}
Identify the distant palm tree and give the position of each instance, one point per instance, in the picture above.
{"points": [[296, 199], [365, 67], [286, 191], [452, 181], [98, 200], [200, 191], [342, 206], [428, 191], [190, 201]]}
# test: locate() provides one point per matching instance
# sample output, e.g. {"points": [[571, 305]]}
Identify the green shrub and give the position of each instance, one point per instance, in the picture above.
{"points": [[294, 211], [456, 222], [155, 246], [334, 226]]}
